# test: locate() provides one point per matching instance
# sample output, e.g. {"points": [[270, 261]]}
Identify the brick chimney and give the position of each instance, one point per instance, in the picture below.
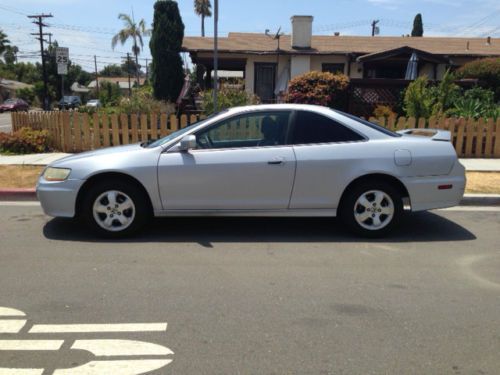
{"points": [[301, 31]]}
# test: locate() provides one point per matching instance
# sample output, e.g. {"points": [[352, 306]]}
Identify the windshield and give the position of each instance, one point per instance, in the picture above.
{"points": [[370, 124], [10, 101]]}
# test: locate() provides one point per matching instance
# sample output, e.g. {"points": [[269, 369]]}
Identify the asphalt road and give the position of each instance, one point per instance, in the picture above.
{"points": [[5, 122], [256, 296]]}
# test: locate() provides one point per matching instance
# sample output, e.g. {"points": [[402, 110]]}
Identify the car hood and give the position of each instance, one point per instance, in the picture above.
{"points": [[101, 153]]}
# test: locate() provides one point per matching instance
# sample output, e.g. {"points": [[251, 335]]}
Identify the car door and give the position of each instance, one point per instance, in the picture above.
{"points": [[328, 153], [241, 163]]}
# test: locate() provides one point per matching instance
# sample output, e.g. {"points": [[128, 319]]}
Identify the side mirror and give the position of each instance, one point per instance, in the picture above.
{"points": [[187, 143]]}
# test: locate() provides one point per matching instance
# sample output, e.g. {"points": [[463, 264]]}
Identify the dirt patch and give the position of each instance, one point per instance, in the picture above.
{"points": [[17, 176], [483, 182]]}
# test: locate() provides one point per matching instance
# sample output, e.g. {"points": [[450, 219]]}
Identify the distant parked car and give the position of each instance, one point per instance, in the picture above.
{"points": [[268, 160], [69, 102], [14, 105], [94, 103]]}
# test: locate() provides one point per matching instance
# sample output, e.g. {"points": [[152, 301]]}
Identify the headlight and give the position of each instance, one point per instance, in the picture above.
{"points": [[56, 174]]}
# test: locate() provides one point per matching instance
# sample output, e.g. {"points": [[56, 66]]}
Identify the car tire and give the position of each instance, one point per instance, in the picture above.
{"points": [[371, 209], [124, 217]]}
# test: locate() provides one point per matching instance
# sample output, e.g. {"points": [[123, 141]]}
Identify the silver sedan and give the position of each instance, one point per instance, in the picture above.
{"points": [[268, 160]]}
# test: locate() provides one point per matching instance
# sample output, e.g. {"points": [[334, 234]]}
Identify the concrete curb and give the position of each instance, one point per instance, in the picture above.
{"points": [[468, 200], [18, 195]]}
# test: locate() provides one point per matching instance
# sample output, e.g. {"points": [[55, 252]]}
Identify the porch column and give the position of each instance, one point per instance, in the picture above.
{"points": [[208, 79]]}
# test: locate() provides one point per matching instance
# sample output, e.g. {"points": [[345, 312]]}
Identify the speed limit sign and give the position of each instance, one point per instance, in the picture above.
{"points": [[62, 60]]}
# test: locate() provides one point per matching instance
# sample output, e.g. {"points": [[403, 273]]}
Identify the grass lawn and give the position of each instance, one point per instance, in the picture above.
{"points": [[17, 176]]}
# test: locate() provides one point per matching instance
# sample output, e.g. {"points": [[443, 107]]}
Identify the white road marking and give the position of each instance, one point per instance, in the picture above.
{"points": [[127, 367], [21, 371], [31, 344], [11, 326], [108, 348], [7, 311], [90, 328]]}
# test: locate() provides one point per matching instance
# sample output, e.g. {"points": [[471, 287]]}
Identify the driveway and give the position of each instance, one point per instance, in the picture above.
{"points": [[255, 296]]}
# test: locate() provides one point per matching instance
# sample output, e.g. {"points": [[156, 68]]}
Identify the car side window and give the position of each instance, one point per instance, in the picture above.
{"points": [[311, 127], [247, 130]]}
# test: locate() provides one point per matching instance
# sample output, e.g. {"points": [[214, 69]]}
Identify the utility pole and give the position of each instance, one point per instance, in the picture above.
{"points": [[40, 34], [216, 62], [128, 71], [374, 27], [96, 76]]}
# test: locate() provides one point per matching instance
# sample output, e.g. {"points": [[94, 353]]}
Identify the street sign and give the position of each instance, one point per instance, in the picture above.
{"points": [[62, 60], [62, 69]]}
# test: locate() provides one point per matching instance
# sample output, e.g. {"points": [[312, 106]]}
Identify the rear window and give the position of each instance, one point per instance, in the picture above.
{"points": [[311, 127], [370, 124]]}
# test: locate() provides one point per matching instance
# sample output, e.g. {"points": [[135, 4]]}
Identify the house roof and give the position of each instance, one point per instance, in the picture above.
{"points": [[13, 85], [121, 81], [252, 43]]}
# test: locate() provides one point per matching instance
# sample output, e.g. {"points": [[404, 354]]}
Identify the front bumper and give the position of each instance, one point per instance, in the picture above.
{"points": [[424, 192], [58, 199]]}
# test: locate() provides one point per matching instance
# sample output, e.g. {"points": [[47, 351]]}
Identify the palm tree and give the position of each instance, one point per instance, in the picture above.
{"points": [[3, 42], [203, 8], [133, 30]]}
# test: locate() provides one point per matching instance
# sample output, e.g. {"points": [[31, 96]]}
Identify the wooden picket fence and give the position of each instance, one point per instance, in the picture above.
{"points": [[75, 132]]}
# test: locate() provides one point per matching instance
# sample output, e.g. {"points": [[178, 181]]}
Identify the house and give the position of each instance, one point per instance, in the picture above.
{"points": [[9, 87], [268, 63], [123, 82]]}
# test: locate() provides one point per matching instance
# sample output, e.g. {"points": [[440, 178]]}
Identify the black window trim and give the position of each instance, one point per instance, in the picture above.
{"points": [[292, 129]]}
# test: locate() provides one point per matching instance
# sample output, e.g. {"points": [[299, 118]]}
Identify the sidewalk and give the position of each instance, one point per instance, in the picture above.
{"points": [[471, 165]]}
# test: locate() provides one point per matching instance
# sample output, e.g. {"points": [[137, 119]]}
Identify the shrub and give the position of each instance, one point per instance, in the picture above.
{"points": [[320, 88], [419, 99], [383, 111], [476, 102], [25, 141], [142, 101], [109, 93], [486, 71], [27, 94], [227, 98]]}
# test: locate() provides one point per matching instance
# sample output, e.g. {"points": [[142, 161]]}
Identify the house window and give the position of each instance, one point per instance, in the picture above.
{"points": [[334, 68]]}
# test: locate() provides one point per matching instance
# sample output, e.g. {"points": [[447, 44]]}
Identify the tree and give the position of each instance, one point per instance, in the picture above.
{"points": [[166, 43], [203, 8], [113, 70], [10, 54], [4, 42], [133, 30], [418, 26]]}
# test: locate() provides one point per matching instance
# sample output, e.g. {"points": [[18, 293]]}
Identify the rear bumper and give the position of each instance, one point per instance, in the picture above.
{"points": [[58, 199], [425, 194]]}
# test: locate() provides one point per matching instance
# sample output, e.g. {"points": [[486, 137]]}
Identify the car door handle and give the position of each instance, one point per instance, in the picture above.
{"points": [[276, 161]]}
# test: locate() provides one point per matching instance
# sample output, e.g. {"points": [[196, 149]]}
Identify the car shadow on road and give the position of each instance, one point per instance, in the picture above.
{"points": [[418, 227]]}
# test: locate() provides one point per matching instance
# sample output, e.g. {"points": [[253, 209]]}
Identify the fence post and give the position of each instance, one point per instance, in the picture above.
{"points": [[144, 128], [105, 130], [124, 128], [153, 125], [488, 147], [135, 137], [96, 131], [163, 125], [470, 132], [496, 152], [478, 152]]}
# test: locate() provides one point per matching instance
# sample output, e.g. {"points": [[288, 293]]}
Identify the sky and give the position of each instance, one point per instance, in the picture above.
{"points": [[87, 26]]}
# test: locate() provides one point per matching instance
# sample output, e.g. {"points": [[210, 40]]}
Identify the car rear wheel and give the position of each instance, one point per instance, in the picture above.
{"points": [[372, 209], [115, 209]]}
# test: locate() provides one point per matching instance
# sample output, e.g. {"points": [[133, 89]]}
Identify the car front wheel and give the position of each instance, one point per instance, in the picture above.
{"points": [[372, 209], [115, 209]]}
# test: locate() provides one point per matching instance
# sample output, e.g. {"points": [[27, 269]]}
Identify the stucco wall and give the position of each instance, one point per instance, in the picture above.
{"points": [[300, 64]]}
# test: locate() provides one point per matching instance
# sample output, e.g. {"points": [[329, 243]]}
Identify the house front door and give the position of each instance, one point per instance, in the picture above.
{"points": [[265, 78]]}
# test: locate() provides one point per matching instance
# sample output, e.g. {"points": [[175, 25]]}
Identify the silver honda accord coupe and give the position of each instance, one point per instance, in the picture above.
{"points": [[266, 160]]}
